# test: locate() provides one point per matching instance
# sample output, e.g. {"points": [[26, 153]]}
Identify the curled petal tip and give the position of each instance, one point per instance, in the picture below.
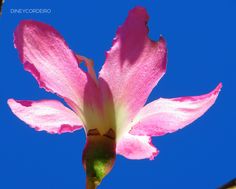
{"points": [[219, 86], [162, 40], [155, 152], [136, 147], [139, 11], [154, 155], [217, 90], [9, 101]]}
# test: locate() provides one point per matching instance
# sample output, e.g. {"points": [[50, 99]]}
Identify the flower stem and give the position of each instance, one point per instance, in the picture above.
{"points": [[90, 184]]}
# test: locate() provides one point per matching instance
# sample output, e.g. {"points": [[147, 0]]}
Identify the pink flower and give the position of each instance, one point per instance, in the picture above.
{"points": [[111, 106]]}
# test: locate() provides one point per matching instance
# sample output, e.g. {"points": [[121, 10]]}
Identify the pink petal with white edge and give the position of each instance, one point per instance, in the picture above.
{"points": [[168, 115], [134, 64], [47, 57], [46, 115], [136, 147]]}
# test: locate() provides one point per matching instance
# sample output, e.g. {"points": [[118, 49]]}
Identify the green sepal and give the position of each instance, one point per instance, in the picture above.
{"points": [[98, 156]]}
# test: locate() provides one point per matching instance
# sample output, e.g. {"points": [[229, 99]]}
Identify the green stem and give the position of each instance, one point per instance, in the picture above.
{"points": [[90, 184]]}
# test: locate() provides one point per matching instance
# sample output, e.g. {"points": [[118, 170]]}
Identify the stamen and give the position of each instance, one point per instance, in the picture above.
{"points": [[89, 64], [110, 134], [93, 132]]}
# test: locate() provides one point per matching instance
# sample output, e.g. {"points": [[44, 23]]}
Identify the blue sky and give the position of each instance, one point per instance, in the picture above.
{"points": [[201, 53]]}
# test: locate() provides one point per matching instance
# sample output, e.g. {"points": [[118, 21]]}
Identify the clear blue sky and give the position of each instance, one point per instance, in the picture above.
{"points": [[201, 38]]}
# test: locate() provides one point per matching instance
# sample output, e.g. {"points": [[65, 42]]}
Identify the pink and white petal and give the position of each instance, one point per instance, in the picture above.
{"points": [[164, 116], [46, 115], [136, 147], [134, 64], [48, 58]]}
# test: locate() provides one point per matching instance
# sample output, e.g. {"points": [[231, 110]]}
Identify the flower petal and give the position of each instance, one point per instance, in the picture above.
{"points": [[47, 57], [168, 115], [46, 115], [134, 64], [136, 147]]}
